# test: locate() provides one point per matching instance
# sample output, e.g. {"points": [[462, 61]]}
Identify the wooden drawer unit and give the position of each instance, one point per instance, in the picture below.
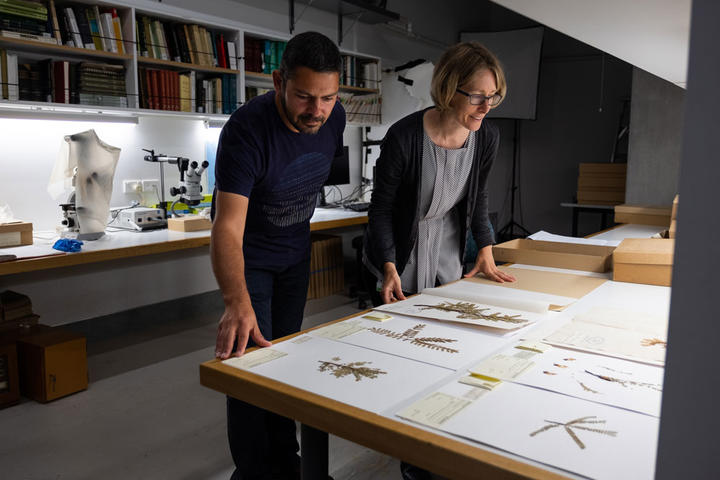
{"points": [[52, 364]]}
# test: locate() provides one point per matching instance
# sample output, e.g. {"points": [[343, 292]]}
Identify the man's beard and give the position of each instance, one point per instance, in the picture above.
{"points": [[298, 125]]}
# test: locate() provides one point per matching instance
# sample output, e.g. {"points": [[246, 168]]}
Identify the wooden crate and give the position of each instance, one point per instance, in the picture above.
{"points": [[601, 183], [52, 364]]}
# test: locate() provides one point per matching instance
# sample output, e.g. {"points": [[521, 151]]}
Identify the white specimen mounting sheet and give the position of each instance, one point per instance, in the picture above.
{"points": [[462, 311], [651, 300], [624, 320], [620, 383], [611, 341], [569, 433], [442, 344], [363, 378]]}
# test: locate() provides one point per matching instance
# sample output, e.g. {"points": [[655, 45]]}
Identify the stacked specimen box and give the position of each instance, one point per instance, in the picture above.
{"points": [[326, 266]]}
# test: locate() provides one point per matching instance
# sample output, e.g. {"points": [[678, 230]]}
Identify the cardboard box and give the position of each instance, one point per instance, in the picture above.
{"points": [[644, 260], [673, 214], [327, 272], [601, 183], [603, 168], [596, 197], [590, 258], [189, 223], [15, 234], [52, 364], [672, 232], [643, 215]]}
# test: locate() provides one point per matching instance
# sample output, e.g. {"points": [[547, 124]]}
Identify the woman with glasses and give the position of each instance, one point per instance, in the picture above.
{"points": [[431, 181]]}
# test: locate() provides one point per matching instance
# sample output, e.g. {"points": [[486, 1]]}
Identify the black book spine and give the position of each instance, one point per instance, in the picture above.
{"points": [[83, 26]]}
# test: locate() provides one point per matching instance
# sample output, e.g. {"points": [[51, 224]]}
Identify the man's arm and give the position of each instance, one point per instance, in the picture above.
{"points": [[226, 252]]}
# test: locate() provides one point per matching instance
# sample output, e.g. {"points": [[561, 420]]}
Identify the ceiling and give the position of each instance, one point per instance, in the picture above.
{"points": [[650, 34]]}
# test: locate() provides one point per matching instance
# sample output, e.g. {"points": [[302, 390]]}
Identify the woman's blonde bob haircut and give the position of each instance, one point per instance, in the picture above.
{"points": [[455, 68]]}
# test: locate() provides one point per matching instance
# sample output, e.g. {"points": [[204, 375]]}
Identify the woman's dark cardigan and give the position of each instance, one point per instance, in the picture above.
{"points": [[394, 214]]}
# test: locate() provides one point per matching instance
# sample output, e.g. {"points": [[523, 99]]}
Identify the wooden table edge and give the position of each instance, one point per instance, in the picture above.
{"points": [[437, 453], [81, 258]]}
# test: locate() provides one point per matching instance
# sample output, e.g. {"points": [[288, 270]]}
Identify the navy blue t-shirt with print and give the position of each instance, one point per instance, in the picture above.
{"points": [[281, 172]]}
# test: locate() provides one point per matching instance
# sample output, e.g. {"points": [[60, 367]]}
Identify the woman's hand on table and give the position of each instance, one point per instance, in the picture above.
{"points": [[485, 264], [391, 288]]}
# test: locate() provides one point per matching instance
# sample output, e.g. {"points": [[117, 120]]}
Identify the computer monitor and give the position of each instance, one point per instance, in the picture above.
{"points": [[340, 169]]}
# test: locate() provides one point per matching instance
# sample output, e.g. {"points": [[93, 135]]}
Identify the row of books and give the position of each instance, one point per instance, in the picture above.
{"points": [[252, 92], [187, 43], [184, 92], [358, 72], [26, 19], [90, 27], [263, 56], [365, 109], [81, 26], [61, 81], [9, 76]]}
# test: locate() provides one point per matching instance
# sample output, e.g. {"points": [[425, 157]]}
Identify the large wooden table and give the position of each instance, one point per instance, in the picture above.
{"points": [[124, 244], [320, 415]]}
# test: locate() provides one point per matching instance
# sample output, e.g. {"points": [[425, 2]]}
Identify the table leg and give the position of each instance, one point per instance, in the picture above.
{"points": [[575, 211], [314, 453]]}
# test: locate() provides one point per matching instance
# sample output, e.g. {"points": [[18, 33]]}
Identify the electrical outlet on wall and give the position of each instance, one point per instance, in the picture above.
{"points": [[151, 186], [132, 186]]}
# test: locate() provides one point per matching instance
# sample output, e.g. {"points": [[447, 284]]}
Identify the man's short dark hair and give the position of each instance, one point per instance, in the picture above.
{"points": [[312, 50]]}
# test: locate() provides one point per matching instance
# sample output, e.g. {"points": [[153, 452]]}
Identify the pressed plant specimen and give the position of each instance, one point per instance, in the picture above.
{"points": [[625, 382], [577, 424], [411, 335], [650, 342], [357, 369], [468, 310]]}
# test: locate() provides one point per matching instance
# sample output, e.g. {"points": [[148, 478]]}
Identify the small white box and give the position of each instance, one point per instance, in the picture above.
{"points": [[141, 218]]}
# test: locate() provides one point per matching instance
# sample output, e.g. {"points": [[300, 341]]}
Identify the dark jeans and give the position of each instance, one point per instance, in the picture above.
{"points": [[264, 445]]}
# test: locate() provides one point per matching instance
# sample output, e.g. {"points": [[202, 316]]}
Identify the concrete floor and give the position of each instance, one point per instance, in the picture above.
{"points": [[145, 414]]}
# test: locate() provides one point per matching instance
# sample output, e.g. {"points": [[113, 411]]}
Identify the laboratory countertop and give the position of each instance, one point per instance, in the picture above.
{"points": [[117, 244]]}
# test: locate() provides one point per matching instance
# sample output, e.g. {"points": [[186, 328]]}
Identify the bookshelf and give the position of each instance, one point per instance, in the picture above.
{"points": [[359, 79], [149, 59]]}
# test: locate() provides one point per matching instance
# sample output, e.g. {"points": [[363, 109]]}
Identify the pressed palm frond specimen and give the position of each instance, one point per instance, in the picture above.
{"points": [[468, 310], [410, 335], [357, 369], [577, 424]]}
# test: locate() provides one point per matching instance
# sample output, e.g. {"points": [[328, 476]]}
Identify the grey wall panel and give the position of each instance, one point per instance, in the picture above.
{"points": [[656, 126]]}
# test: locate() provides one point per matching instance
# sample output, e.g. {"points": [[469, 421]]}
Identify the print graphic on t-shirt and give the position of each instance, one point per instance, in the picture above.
{"points": [[293, 199]]}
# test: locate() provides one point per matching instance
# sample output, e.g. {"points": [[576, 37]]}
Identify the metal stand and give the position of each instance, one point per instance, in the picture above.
{"points": [[314, 453], [508, 231]]}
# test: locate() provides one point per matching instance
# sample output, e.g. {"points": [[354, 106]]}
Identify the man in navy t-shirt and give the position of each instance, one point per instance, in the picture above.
{"points": [[273, 157]]}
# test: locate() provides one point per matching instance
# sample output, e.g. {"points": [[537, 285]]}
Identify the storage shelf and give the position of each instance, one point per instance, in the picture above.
{"points": [[265, 79], [70, 111], [38, 46], [185, 66], [36, 50]]}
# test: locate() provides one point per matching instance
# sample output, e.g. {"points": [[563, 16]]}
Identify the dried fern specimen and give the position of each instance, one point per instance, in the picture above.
{"points": [[357, 369], [471, 311], [411, 335], [649, 342], [577, 424]]}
